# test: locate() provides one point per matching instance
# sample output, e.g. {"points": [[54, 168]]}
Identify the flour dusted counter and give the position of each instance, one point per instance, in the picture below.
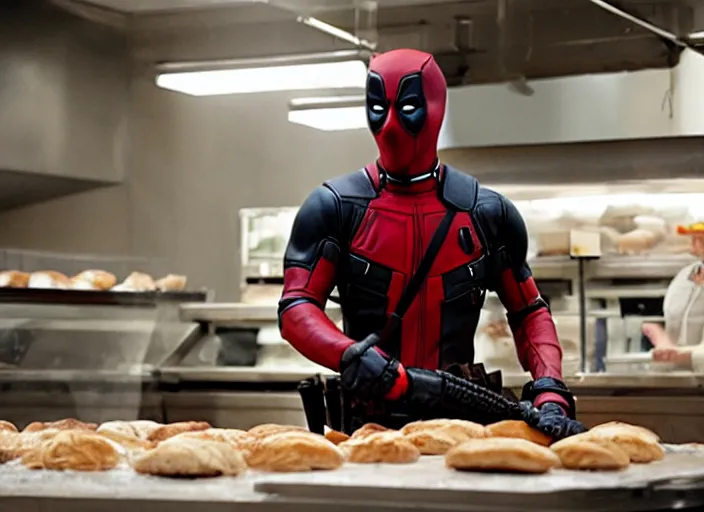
{"points": [[676, 482]]}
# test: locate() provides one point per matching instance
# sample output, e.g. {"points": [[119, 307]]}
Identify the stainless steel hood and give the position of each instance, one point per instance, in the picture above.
{"points": [[644, 125], [63, 93]]}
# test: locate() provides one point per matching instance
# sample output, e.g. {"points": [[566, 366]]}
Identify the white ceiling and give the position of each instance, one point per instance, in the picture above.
{"points": [[144, 6]]}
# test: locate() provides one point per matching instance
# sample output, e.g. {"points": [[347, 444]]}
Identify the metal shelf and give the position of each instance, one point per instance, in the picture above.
{"points": [[554, 267]]}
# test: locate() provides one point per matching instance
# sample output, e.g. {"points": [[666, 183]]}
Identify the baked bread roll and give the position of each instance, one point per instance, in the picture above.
{"points": [[436, 437], [294, 451], [516, 429], [238, 439], [6, 426], [136, 282], [389, 447], [65, 424], [48, 280], [132, 435], [583, 452], [78, 450], [336, 437], [269, 429], [502, 454], [164, 432], [368, 429], [261, 432], [139, 429], [171, 283], [15, 445], [639, 446], [9, 443], [621, 425], [190, 457], [93, 280], [13, 279]]}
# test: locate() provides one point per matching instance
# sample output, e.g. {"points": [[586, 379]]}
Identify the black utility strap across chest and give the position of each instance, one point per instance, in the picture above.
{"points": [[418, 278]]}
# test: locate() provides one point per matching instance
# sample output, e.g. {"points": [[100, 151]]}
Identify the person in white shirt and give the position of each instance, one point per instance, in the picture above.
{"points": [[681, 341]]}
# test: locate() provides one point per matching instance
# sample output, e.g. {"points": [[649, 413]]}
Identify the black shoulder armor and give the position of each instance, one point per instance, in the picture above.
{"points": [[355, 191], [355, 185], [504, 231], [459, 190], [317, 221]]}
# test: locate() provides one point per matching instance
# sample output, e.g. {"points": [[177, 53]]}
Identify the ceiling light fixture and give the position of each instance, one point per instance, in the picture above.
{"points": [[333, 31], [329, 114], [334, 70]]}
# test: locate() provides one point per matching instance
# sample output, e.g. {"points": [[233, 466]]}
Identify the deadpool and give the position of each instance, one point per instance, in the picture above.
{"points": [[413, 246]]}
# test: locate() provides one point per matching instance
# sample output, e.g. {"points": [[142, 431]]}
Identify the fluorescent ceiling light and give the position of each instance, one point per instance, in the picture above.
{"points": [[329, 114], [293, 77], [330, 119]]}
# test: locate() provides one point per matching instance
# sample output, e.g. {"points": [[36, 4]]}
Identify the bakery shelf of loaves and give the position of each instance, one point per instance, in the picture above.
{"points": [[87, 344], [428, 465]]}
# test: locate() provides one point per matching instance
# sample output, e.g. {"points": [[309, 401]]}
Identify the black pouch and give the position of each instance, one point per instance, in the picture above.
{"points": [[333, 403], [313, 399]]}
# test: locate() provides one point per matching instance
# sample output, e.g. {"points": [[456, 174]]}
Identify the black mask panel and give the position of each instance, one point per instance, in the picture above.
{"points": [[410, 104], [377, 106]]}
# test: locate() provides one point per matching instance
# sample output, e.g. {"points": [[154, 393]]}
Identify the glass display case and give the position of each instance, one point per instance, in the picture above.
{"points": [[86, 354]]}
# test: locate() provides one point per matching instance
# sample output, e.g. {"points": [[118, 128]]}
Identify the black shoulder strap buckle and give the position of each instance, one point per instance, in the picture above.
{"points": [[550, 385]]}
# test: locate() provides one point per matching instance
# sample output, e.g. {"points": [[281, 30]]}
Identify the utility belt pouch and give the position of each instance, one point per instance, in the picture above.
{"points": [[313, 399]]}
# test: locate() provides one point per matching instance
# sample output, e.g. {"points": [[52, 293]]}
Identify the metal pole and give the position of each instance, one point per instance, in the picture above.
{"points": [[582, 317]]}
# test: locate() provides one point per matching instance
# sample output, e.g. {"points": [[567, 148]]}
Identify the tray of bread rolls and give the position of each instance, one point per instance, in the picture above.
{"points": [[429, 465], [94, 287]]}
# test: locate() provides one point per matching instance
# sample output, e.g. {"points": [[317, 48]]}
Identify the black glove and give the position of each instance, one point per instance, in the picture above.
{"points": [[438, 394], [554, 422], [368, 374]]}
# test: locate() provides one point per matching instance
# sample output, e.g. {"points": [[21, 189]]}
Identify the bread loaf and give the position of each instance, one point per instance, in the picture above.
{"points": [[584, 452], [48, 280], [189, 457], [436, 437], [77, 450], [93, 280], [502, 454], [294, 451], [389, 447], [171, 283], [13, 279], [517, 429], [136, 282]]}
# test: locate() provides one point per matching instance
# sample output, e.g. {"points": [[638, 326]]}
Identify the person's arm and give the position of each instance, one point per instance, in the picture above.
{"points": [[697, 357], [310, 268], [533, 328]]}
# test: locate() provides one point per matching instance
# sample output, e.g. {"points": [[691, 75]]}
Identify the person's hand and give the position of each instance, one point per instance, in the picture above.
{"points": [[673, 355], [369, 374], [555, 423], [657, 335]]}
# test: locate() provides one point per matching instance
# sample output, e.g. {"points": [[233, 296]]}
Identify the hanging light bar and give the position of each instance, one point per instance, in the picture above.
{"points": [[329, 114], [334, 70], [333, 31]]}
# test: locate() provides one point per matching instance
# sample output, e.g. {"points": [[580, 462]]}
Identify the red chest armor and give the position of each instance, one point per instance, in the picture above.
{"points": [[384, 241], [383, 254]]}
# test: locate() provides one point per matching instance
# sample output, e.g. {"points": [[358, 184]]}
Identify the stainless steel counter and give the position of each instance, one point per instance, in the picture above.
{"points": [[427, 485], [670, 380]]}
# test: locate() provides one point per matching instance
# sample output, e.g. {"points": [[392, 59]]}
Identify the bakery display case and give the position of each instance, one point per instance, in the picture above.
{"points": [[91, 355], [87, 346]]}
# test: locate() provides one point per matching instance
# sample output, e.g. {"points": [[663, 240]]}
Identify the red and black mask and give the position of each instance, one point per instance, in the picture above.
{"points": [[406, 94]]}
